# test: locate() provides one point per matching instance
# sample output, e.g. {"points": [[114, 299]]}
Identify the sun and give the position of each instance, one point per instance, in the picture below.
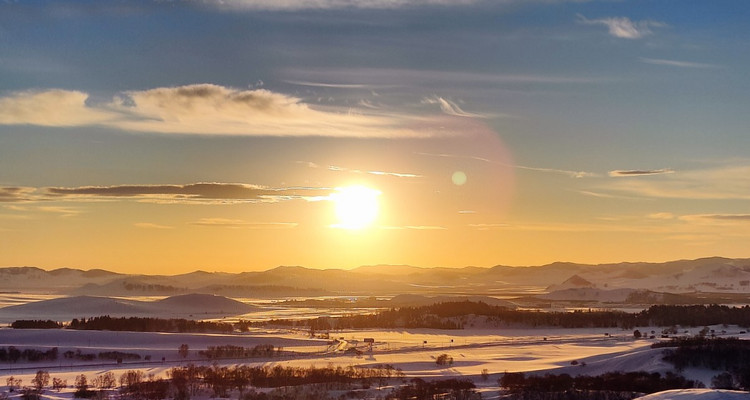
{"points": [[356, 206]]}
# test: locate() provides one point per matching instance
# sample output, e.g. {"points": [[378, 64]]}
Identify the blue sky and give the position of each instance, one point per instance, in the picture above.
{"points": [[591, 131]]}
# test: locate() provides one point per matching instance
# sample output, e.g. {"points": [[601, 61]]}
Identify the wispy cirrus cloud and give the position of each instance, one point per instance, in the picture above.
{"points": [[63, 211], [416, 227], [723, 182], [429, 78], [639, 172], [661, 216], [150, 225], [680, 64], [358, 171], [598, 194], [204, 109], [449, 107], [294, 5], [723, 218], [488, 227], [238, 223], [194, 193], [14, 194], [332, 85], [623, 27], [569, 173], [572, 174]]}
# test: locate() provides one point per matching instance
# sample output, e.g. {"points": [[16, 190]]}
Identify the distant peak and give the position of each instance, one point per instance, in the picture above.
{"points": [[574, 282]]}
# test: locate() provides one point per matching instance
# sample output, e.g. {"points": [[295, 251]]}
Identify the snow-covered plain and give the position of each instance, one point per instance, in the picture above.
{"points": [[572, 351]]}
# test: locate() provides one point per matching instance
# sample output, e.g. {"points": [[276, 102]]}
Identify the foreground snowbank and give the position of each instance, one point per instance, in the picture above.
{"points": [[697, 394]]}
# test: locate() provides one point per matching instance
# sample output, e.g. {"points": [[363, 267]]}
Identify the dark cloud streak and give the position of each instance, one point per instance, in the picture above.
{"points": [[10, 194], [195, 191], [640, 172]]}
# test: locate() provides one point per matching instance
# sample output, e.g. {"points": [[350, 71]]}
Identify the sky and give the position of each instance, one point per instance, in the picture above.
{"points": [[239, 135]]}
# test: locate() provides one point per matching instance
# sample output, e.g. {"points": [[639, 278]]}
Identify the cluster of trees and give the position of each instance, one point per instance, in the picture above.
{"points": [[118, 355], [630, 382], [419, 389], [230, 351], [13, 354], [696, 315], [730, 355], [35, 324], [139, 386], [182, 383], [144, 287], [103, 383], [450, 316], [38, 383], [404, 317], [140, 324], [78, 355], [444, 360], [133, 385], [192, 379]]}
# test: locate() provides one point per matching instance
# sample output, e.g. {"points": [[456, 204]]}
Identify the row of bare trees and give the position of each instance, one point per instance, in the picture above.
{"points": [[220, 380], [182, 383]]}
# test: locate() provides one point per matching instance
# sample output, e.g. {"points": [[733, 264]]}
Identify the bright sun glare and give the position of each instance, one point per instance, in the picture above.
{"points": [[356, 206]]}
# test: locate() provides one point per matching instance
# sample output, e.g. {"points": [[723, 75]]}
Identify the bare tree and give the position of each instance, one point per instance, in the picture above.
{"points": [[13, 383], [183, 350], [59, 384], [40, 380]]}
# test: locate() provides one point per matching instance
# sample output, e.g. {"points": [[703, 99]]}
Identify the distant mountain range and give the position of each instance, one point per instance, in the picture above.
{"points": [[706, 275]]}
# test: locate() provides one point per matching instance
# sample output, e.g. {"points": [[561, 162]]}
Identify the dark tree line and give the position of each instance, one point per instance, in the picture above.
{"points": [[730, 355], [696, 315], [36, 324], [14, 354], [419, 389], [118, 355], [449, 315], [144, 287], [190, 380], [638, 382], [230, 351], [139, 324]]}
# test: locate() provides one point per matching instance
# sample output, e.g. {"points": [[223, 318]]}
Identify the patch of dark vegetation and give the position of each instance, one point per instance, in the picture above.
{"points": [[140, 324], [220, 380], [420, 389], [118, 355], [696, 315], [613, 385], [35, 324], [730, 355], [449, 315], [230, 351], [13, 354], [78, 355], [147, 287]]}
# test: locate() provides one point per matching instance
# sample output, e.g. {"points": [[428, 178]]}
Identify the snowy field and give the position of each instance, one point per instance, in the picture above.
{"points": [[572, 351]]}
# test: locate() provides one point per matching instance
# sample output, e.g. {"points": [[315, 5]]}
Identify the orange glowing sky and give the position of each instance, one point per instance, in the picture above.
{"points": [[169, 137]]}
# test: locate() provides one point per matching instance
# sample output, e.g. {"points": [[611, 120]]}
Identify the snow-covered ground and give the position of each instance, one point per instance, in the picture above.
{"points": [[697, 394], [572, 351]]}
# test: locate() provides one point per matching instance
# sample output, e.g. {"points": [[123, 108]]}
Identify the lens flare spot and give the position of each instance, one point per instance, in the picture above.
{"points": [[458, 178]]}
